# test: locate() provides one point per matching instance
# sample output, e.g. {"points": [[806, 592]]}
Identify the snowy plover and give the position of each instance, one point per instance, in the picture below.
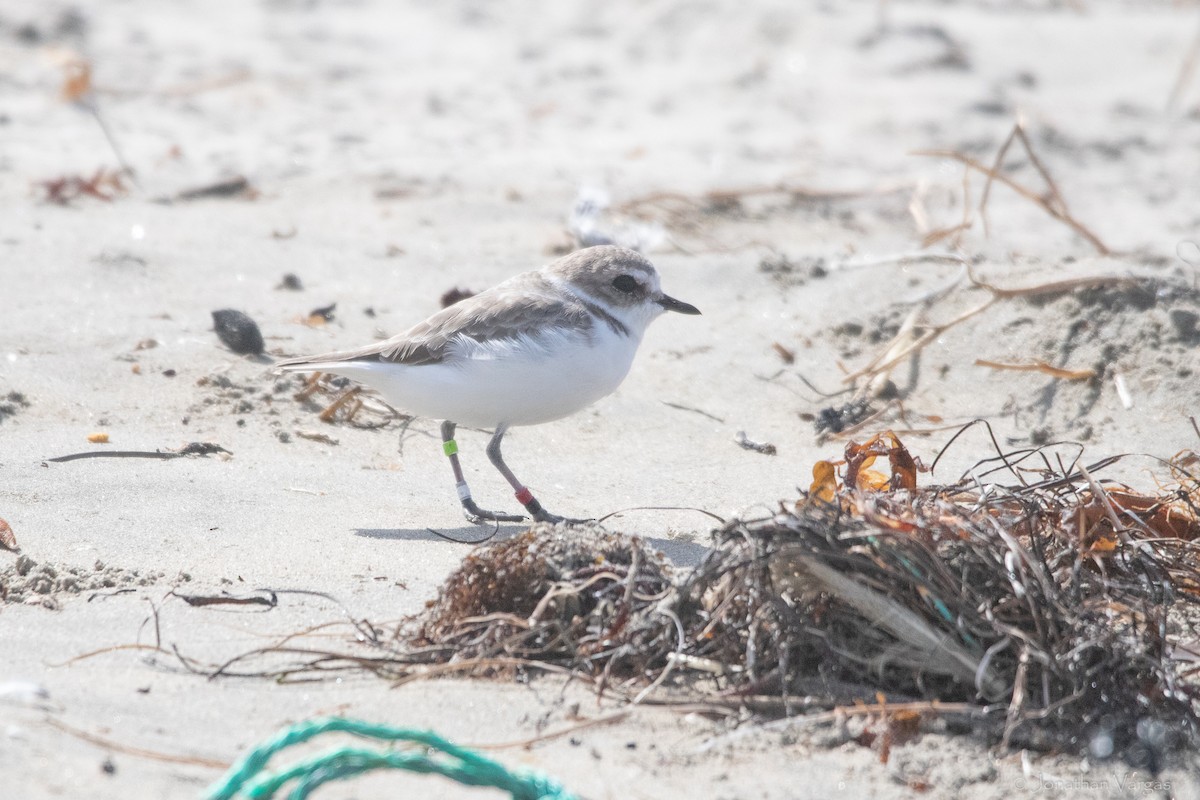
{"points": [[537, 347]]}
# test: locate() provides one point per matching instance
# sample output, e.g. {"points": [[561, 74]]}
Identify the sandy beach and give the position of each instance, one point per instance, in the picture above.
{"points": [[796, 171]]}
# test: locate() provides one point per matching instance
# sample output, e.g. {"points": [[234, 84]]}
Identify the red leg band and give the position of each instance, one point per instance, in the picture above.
{"points": [[524, 497]]}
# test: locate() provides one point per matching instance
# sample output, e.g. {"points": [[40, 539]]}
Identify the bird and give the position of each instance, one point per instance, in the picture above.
{"points": [[535, 348]]}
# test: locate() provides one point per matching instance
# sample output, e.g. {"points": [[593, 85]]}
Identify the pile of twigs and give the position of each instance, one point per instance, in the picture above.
{"points": [[584, 599], [1059, 609], [1058, 606]]}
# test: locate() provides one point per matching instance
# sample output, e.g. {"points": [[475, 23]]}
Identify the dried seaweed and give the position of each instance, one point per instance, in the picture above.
{"points": [[103, 184], [1030, 599], [583, 599], [1052, 609]]}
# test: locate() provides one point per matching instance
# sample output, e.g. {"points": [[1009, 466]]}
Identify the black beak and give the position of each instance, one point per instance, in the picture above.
{"points": [[671, 304]]}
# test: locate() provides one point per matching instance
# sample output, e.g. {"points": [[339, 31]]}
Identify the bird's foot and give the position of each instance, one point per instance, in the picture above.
{"points": [[479, 516], [539, 514], [542, 515]]}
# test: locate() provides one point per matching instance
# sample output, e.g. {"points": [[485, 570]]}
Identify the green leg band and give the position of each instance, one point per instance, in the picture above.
{"points": [[450, 447]]}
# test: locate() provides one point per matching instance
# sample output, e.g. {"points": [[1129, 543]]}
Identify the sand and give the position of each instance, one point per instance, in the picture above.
{"points": [[392, 152]]}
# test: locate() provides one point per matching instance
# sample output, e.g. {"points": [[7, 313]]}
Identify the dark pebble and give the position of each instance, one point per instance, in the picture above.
{"points": [[455, 295], [324, 312], [291, 282], [238, 332]]}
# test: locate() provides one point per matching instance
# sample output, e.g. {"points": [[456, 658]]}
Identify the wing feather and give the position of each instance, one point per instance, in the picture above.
{"points": [[522, 306]]}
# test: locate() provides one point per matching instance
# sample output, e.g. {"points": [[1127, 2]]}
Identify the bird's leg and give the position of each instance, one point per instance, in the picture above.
{"points": [[474, 513], [524, 496]]}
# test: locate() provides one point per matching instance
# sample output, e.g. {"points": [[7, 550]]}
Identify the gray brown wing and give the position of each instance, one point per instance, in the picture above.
{"points": [[507, 311]]}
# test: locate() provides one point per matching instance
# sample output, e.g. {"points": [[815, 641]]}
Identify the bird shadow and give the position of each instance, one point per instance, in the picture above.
{"points": [[465, 534]]}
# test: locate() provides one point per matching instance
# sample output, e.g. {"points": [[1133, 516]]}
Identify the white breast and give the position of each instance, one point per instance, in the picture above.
{"points": [[516, 382]]}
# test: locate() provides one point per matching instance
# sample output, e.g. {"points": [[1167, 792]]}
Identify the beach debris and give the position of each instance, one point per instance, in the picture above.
{"points": [[1134, 312], [747, 443], [98, 438], [103, 184], [584, 598], [455, 295], [836, 419], [1031, 601], [692, 409], [860, 457], [1042, 367], [968, 592], [587, 225], [78, 90], [347, 400], [690, 216], [1050, 200], [190, 449], [417, 751], [238, 332], [917, 332], [291, 282], [1122, 390], [320, 316], [317, 436], [343, 402], [8, 539], [786, 355], [268, 599], [202, 449], [77, 78], [237, 186]]}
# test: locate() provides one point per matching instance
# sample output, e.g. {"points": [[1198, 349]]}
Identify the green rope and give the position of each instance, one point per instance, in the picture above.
{"points": [[246, 779]]}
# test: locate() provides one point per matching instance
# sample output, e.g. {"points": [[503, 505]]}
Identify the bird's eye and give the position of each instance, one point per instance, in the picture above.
{"points": [[625, 283]]}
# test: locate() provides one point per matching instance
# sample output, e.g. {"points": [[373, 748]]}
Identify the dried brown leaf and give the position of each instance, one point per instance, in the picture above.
{"points": [[861, 456], [8, 540], [77, 80], [824, 484]]}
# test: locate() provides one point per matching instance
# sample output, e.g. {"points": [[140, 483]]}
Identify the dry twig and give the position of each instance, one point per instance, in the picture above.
{"points": [[1054, 205]]}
